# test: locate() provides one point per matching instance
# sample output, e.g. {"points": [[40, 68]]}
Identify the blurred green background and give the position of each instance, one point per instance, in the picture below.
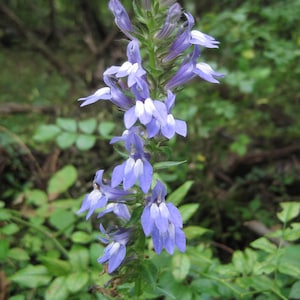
{"points": [[242, 149]]}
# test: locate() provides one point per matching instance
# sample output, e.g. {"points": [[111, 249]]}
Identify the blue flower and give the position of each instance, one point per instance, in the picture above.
{"points": [[167, 124], [115, 252], [173, 16], [190, 69], [100, 195], [121, 17], [119, 209], [163, 222], [136, 168]]}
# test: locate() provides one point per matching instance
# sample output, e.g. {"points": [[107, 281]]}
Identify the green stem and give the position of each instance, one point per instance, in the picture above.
{"points": [[57, 244]]}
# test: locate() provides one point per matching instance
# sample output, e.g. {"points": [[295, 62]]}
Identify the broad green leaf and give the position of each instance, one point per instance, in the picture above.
{"points": [[105, 129], [192, 232], [57, 290], [79, 257], [238, 261], [32, 276], [4, 215], [95, 251], [67, 124], [149, 273], [10, 229], [18, 254], [290, 261], [290, 210], [76, 281], [66, 139], [167, 164], [295, 291], [87, 126], [264, 244], [85, 142], [180, 266], [55, 266], [4, 246], [46, 133], [178, 195], [81, 237], [292, 233], [61, 219], [61, 181], [187, 210], [36, 197]]}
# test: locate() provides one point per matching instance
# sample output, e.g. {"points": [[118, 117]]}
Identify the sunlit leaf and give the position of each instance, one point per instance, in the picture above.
{"points": [[180, 266], [66, 139], [76, 281], [87, 126], [57, 290], [187, 211], [32, 276], [61, 181], [46, 133], [67, 124], [179, 194], [290, 210], [85, 142]]}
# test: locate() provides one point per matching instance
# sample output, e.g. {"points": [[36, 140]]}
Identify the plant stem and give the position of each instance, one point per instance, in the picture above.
{"points": [[57, 244]]}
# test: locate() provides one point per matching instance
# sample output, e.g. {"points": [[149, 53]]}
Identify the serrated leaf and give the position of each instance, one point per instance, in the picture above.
{"points": [[46, 133], [187, 210], [67, 124], [88, 126], [180, 266], [264, 244], [167, 164], [290, 210], [66, 139], [178, 195], [61, 181], [57, 290], [85, 142], [76, 281], [32, 276]]}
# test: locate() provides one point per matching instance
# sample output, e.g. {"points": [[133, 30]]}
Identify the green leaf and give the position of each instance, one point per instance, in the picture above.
{"points": [[10, 229], [57, 290], [18, 254], [192, 232], [32, 276], [79, 257], [167, 164], [76, 281], [61, 181], [67, 124], [4, 246], [264, 245], [105, 129], [87, 126], [85, 142], [187, 210], [178, 195], [81, 237], [66, 139], [290, 210], [4, 215], [295, 291], [61, 219], [180, 266], [36, 197], [46, 133], [55, 266], [95, 252], [292, 233]]}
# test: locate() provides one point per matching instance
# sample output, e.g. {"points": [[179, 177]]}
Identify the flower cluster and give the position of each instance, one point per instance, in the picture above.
{"points": [[144, 88]]}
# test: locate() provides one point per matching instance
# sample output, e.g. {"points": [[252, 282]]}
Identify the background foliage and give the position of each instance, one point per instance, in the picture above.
{"points": [[239, 190]]}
